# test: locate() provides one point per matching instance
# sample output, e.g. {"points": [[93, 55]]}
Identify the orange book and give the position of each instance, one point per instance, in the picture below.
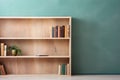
{"points": [[2, 49], [58, 31], [68, 31]]}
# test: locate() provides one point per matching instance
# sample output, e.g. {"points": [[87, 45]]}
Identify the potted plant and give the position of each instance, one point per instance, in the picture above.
{"points": [[15, 51]]}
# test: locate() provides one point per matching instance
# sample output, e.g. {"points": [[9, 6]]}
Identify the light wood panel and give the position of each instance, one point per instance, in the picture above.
{"points": [[41, 47], [32, 66], [29, 27]]}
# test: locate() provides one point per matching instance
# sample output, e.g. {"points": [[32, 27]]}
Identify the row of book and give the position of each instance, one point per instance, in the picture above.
{"points": [[61, 31], [3, 48], [2, 70], [64, 69]]}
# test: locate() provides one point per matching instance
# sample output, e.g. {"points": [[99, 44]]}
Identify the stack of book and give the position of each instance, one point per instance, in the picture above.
{"points": [[61, 31], [3, 51], [2, 70], [64, 69]]}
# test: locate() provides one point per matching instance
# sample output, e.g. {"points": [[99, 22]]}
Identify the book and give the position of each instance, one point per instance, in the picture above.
{"points": [[62, 31], [68, 69], [63, 69], [58, 31], [59, 69], [67, 31], [2, 49], [52, 31], [2, 70], [5, 50]]}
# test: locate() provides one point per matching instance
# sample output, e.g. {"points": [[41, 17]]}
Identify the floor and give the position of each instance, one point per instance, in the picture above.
{"points": [[79, 77]]}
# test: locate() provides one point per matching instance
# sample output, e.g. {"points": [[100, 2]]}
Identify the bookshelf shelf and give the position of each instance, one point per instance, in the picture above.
{"points": [[52, 17], [35, 57], [35, 75], [31, 38], [44, 35]]}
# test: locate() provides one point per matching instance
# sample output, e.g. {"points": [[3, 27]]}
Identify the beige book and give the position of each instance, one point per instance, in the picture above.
{"points": [[67, 31], [59, 69], [68, 69]]}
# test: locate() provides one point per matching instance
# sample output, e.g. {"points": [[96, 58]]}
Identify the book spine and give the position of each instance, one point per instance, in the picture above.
{"points": [[63, 69], [68, 69], [2, 49], [67, 31], [59, 69], [5, 50], [53, 32], [58, 31], [63, 31], [50, 31]]}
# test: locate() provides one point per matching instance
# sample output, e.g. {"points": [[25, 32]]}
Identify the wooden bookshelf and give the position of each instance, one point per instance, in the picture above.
{"points": [[33, 35]]}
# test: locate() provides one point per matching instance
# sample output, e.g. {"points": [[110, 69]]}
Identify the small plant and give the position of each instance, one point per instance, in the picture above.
{"points": [[15, 51]]}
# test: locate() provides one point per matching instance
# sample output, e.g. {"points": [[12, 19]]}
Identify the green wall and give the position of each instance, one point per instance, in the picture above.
{"points": [[96, 29]]}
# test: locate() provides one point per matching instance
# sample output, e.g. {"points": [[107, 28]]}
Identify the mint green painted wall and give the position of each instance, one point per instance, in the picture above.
{"points": [[96, 29]]}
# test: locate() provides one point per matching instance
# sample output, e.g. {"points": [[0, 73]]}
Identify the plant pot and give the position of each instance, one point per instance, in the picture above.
{"points": [[14, 52]]}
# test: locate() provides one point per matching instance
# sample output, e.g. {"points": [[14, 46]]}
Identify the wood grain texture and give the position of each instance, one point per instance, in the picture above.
{"points": [[28, 27], [32, 66], [39, 47]]}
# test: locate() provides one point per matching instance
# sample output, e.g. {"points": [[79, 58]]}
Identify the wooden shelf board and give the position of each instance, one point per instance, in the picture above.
{"points": [[23, 17], [42, 75], [30, 38], [34, 57]]}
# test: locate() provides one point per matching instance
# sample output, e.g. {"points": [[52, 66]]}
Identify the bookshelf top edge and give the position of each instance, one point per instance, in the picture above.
{"points": [[31, 38], [22, 17], [34, 57]]}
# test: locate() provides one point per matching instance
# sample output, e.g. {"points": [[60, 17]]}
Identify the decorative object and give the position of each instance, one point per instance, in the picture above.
{"points": [[15, 51]]}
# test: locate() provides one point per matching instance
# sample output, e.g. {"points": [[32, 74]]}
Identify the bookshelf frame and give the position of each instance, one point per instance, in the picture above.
{"points": [[56, 59]]}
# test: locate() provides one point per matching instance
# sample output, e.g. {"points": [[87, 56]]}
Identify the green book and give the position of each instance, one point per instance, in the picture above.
{"points": [[63, 69]]}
